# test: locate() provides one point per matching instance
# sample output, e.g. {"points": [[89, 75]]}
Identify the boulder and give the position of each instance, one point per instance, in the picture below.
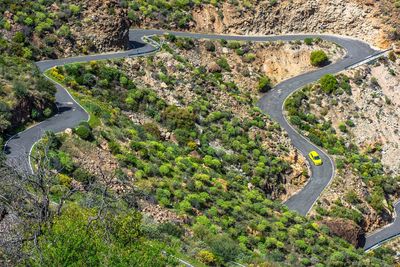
{"points": [[396, 48], [214, 67]]}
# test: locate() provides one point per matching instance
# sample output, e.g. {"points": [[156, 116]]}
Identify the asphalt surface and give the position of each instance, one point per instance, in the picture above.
{"points": [[384, 234], [71, 113]]}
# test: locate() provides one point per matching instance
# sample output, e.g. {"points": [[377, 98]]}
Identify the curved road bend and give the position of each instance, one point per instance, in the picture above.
{"points": [[70, 113]]}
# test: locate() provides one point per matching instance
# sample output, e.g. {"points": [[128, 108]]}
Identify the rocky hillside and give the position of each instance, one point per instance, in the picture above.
{"points": [[354, 116], [104, 26], [25, 95], [374, 21], [371, 115], [58, 29], [29, 31], [190, 150]]}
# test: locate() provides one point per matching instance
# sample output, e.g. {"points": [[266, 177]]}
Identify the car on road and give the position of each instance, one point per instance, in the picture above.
{"points": [[315, 158]]}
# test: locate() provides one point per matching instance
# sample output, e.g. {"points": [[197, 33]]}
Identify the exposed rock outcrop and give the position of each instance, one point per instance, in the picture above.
{"points": [[372, 111], [346, 229], [105, 26], [359, 19]]}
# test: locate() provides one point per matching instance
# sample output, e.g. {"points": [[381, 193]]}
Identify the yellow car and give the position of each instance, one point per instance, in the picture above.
{"points": [[315, 158]]}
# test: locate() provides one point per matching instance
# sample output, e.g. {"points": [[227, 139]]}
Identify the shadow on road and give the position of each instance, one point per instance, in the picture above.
{"points": [[135, 45]]}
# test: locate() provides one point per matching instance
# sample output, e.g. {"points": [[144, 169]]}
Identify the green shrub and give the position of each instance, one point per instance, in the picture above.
{"points": [[83, 176], [319, 58], [350, 123], [66, 162], [264, 84], [392, 56], [35, 114], [171, 229], [329, 83], [153, 129], [114, 147], [343, 128], [352, 197], [47, 112], [84, 132], [249, 57], [308, 41], [234, 45], [224, 247], [176, 117], [206, 257], [19, 37], [20, 89], [65, 180]]}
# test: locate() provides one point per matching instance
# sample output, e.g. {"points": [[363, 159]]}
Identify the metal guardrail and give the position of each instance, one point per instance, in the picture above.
{"points": [[369, 59]]}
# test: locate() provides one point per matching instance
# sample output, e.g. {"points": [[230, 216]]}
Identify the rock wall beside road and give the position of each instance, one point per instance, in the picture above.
{"points": [[353, 18], [105, 26]]}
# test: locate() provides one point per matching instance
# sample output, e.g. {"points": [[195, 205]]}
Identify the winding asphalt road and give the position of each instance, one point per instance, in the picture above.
{"points": [[70, 113]]}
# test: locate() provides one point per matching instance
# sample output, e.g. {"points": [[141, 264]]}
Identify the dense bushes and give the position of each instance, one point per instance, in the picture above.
{"points": [[329, 83], [84, 131], [38, 21], [175, 117], [319, 58], [115, 239]]}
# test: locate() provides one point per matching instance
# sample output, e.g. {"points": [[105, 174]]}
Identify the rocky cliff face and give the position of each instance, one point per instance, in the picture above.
{"points": [[104, 27], [354, 18]]}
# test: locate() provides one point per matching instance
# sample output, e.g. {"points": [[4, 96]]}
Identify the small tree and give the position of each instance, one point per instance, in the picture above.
{"points": [[319, 58]]}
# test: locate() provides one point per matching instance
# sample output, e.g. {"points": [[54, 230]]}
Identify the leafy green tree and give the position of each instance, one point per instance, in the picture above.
{"points": [[176, 117], [224, 247]]}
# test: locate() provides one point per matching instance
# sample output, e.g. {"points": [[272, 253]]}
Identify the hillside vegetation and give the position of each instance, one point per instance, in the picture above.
{"points": [[34, 30], [176, 161], [355, 119], [192, 160], [25, 95], [50, 29]]}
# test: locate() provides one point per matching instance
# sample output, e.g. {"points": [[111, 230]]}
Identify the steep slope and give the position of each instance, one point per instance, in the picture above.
{"points": [[354, 117], [374, 21], [207, 158], [53, 29], [32, 30]]}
